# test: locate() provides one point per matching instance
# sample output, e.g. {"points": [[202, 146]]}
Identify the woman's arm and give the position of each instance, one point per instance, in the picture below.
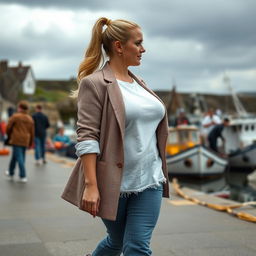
{"points": [[88, 128], [89, 111], [91, 196]]}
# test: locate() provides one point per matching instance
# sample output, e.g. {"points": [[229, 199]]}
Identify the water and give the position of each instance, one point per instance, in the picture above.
{"points": [[232, 185]]}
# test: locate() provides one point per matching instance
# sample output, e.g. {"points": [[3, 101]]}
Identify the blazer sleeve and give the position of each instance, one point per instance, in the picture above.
{"points": [[89, 111]]}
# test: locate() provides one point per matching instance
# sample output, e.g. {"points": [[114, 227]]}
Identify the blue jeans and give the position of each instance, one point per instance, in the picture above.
{"points": [[40, 147], [131, 232], [18, 155]]}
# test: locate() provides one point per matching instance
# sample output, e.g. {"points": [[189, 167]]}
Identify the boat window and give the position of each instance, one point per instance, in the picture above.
{"points": [[252, 127], [246, 127], [172, 138], [195, 137], [188, 162], [240, 127], [210, 162], [184, 136], [233, 128]]}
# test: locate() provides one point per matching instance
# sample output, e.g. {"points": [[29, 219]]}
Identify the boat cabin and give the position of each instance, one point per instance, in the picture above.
{"points": [[240, 133], [181, 138]]}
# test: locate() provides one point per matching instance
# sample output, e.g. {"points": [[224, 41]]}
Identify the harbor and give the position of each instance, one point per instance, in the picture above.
{"points": [[34, 220], [225, 173], [211, 205]]}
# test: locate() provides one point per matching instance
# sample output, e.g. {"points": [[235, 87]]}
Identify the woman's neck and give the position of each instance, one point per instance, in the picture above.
{"points": [[120, 70]]}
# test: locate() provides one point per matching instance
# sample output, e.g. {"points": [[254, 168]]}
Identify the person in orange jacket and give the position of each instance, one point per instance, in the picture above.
{"points": [[20, 132]]}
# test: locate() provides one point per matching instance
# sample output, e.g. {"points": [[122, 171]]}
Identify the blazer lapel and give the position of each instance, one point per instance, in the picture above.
{"points": [[115, 96]]}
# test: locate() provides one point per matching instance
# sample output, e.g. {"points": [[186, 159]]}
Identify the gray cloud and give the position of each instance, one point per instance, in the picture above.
{"points": [[63, 4], [193, 41], [52, 43]]}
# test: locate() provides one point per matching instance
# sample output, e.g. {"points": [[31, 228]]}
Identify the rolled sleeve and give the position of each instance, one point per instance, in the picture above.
{"points": [[86, 147]]}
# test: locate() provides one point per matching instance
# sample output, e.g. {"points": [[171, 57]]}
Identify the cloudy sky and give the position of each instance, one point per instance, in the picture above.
{"points": [[191, 43]]}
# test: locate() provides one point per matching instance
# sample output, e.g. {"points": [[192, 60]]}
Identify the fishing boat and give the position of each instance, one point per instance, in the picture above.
{"points": [[241, 144], [187, 157], [240, 136]]}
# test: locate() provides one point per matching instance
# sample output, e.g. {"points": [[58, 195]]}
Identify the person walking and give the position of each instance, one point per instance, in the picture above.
{"points": [[216, 133], [20, 131], [41, 125], [122, 129]]}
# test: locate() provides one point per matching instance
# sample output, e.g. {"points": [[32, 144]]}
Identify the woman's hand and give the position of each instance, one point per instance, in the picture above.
{"points": [[91, 199], [91, 196]]}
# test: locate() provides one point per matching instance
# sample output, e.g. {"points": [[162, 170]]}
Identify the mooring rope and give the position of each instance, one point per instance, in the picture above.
{"points": [[228, 208]]}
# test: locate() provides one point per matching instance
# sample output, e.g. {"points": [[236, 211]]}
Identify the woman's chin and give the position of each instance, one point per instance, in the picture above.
{"points": [[137, 63]]}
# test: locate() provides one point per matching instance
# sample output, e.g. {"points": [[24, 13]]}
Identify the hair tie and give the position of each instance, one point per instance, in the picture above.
{"points": [[108, 22]]}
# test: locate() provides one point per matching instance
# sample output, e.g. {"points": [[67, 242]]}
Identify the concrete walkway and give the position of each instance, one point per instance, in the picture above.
{"points": [[35, 221]]}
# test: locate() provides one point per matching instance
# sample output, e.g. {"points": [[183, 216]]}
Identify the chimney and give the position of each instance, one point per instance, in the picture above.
{"points": [[20, 64], [3, 66]]}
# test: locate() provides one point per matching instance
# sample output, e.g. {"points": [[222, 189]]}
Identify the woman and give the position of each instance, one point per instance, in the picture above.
{"points": [[122, 130]]}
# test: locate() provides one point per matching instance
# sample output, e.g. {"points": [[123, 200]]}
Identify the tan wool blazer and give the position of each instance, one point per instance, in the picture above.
{"points": [[101, 117]]}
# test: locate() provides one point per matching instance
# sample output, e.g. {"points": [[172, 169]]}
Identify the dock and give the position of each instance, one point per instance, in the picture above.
{"points": [[35, 221]]}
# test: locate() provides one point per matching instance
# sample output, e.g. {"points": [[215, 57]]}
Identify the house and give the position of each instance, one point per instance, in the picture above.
{"points": [[15, 80], [26, 77]]}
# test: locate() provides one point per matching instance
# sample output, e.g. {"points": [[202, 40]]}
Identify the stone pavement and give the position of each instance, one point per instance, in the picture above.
{"points": [[35, 221]]}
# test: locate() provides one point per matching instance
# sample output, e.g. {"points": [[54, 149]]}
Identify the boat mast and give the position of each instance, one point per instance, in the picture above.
{"points": [[174, 101], [238, 105]]}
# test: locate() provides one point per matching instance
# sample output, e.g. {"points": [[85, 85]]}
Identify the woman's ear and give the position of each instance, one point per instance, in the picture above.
{"points": [[118, 48]]}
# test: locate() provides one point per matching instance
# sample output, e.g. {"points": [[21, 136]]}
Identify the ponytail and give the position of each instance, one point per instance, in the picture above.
{"points": [[93, 54]]}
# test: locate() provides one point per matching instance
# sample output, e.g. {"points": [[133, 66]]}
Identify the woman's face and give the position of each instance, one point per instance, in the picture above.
{"points": [[132, 50]]}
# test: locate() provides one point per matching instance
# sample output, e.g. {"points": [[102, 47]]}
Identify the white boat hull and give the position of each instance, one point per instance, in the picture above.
{"points": [[244, 159], [196, 161]]}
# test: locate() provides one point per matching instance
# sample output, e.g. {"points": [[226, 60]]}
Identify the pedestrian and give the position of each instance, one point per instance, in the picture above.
{"points": [[41, 125], [216, 133], [208, 122], [121, 173], [61, 141], [61, 137], [20, 131]]}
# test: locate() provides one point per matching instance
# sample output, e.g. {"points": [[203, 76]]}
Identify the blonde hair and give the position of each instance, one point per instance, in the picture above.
{"points": [[116, 30]]}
